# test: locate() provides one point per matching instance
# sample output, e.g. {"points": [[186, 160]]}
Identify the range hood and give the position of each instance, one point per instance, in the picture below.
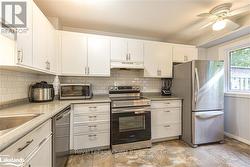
{"points": [[127, 65]]}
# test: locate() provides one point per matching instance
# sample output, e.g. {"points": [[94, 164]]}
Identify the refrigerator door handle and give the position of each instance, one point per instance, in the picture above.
{"points": [[197, 83], [209, 114]]}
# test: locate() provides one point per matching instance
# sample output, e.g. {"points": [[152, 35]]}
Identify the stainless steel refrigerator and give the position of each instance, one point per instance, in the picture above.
{"points": [[200, 84]]}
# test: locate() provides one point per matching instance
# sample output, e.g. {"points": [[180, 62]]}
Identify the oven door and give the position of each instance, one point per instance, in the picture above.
{"points": [[130, 125]]}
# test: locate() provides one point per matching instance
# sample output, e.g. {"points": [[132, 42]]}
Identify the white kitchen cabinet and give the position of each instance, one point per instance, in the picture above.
{"points": [[98, 55], [135, 50], [90, 126], [40, 40], [73, 53], [126, 53], [52, 48], [43, 156], [165, 119], [35, 147], [157, 60], [24, 39], [184, 53]]}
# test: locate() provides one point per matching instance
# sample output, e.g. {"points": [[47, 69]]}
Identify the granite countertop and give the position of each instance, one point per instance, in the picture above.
{"points": [[47, 111], [158, 97]]}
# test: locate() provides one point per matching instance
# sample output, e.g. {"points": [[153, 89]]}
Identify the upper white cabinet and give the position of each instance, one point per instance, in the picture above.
{"points": [[84, 55], [126, 53], [44, 42], [98, 55], [35, 47], [24, 39], [184, 53], [73, 53], [157, 60]]}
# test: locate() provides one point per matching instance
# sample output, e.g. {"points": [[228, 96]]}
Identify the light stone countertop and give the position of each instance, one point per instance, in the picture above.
{"points": [[50, 109], [156, 96], [47, 111]]}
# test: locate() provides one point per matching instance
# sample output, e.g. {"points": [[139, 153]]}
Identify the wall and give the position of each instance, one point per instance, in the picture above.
{"points": [[118, 77], [237, 113], [14, 85]]}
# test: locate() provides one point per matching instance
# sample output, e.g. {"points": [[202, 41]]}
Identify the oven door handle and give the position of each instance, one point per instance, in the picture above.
{"points": [[136, 111]]}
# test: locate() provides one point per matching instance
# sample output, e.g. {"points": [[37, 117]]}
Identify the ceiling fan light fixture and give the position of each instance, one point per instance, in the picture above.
{"points": [[219, 25]]}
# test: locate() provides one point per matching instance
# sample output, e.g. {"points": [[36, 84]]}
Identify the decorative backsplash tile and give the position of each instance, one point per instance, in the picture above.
{"points": [[118, 77], [14, 85]]}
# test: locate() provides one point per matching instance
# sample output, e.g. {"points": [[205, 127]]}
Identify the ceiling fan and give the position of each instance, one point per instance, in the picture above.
{"points": [[219, 16]]}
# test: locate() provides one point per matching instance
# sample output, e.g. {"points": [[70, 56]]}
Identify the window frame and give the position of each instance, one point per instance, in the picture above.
{"points": [[228, 63]]}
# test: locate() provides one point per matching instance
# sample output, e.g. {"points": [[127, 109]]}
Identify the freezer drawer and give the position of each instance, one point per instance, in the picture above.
{"points": [[207, 127]]}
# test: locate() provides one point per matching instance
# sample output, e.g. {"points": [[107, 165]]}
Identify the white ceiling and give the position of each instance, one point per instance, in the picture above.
{"points": [[166, 20]]}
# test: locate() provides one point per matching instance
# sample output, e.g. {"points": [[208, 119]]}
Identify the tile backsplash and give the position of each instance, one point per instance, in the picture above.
{"points": [[118, 77], [14, 85]]}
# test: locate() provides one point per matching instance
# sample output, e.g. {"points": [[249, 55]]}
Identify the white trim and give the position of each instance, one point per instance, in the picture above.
{"points": [[237, 138], [237, 94], [226, 51]]}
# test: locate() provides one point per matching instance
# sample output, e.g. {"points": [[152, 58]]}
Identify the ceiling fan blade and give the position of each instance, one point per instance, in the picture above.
{"points": [[241, 10], [206, 25], [204, 15], [231, 25]]}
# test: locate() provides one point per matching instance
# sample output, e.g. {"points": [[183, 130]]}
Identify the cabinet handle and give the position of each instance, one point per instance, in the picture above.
{"points": [[92, 107], [92, 126], [94, 135], [92, 116], [20, 56], [127, 57], [88, 70], [185, 58], [166, 126], [26, 145], [167, 111], [167, 103]]}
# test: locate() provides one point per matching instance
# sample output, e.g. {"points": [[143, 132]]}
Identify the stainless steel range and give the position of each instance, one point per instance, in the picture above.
{"points": [[130, 119]]}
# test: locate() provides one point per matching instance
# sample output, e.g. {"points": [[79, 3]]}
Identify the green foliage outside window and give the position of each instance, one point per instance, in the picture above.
{"points": [[240, 58]]}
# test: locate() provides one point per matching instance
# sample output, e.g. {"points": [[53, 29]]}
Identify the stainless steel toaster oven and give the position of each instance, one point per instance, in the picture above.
{"points": [[75, 91]]}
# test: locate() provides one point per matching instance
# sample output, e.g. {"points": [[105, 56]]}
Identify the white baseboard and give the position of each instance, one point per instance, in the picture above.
{"points": [[237, 138]]}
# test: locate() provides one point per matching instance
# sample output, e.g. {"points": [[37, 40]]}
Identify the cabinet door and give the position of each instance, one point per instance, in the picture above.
{"points": [[98, 56], [43, 157], [24, 40], [40, 40], [73, 53], [135, 50], [119, 49], [183, 53], [157, 60], [52, 54]]}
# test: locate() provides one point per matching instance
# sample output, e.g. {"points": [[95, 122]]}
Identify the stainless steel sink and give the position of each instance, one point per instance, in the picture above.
{"points": [[11, 121]]}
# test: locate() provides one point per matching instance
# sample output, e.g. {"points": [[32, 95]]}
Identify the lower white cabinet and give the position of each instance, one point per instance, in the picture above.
{"points": [[43, 156], [35, 148], [165, 119], [90, 126]]}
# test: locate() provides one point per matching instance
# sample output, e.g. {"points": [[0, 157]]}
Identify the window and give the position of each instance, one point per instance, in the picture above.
{"points": [[239, 70]]}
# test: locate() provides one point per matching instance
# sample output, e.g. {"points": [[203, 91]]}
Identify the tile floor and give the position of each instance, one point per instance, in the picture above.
{"points": [[170, 154]]}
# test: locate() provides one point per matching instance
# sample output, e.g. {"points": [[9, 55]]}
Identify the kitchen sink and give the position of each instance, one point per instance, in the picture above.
{"points": [[12, 121]]}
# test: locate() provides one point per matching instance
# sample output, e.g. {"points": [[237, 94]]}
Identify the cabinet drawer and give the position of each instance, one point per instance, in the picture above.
{"points": [[92, 108], [166, 104], [167, 130], [91, 140], [84, 118], [24, 146], [87, 128], [163, 116]]}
